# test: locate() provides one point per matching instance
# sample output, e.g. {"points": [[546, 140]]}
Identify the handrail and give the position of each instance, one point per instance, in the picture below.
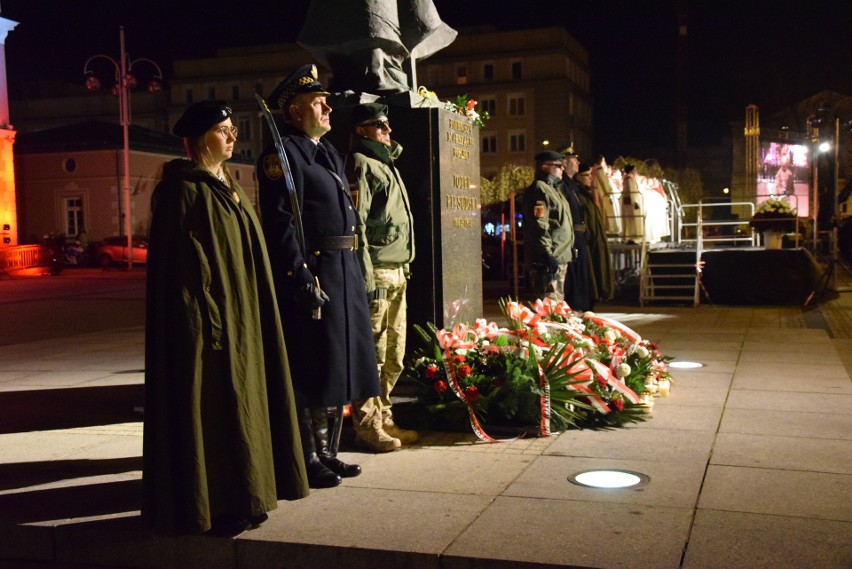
{"points": [[701, 224], [753, 234]]}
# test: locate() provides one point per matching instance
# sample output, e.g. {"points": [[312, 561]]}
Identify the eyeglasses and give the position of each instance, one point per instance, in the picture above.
{"points": [[227, 130], [382, 124]]}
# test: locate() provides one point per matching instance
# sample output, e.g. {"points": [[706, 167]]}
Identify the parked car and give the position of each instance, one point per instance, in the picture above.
{"points": [[113, 250]]}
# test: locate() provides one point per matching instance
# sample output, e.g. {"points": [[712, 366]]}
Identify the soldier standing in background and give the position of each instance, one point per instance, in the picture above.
{"points": [[579, 283], [604, 281], [548, 228]]}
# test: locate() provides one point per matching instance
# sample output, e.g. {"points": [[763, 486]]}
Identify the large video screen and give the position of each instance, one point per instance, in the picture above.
{"points": [[785, 171]]}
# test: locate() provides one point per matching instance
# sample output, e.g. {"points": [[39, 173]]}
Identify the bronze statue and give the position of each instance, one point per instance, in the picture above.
{"points": [[372, 46]]}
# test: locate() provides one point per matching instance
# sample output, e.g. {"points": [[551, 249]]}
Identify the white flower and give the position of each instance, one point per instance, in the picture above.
{"points": [[609, 334], [623, 370], [642, 352]]}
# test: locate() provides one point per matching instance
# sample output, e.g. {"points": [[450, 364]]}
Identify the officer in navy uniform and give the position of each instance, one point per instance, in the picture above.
{"points": [[579, 284], [332, 358]]}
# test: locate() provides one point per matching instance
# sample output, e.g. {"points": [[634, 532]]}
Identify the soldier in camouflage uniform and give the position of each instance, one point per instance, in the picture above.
{"points": [[548, 228], [382, 202]]}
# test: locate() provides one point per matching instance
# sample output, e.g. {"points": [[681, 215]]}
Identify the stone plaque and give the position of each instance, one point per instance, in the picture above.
{"points": [[440, 167]]}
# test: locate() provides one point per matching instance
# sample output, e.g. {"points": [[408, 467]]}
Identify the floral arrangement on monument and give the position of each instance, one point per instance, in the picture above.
{"points": [[548, 370], [461, 105], [467, 108], [773, 214]]}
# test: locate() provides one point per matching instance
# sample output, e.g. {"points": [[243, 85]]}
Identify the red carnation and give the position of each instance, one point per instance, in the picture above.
{"points": [[459, 359], [431, 370], [618, 404], [471, 393], [440, 386], [464, 370]]}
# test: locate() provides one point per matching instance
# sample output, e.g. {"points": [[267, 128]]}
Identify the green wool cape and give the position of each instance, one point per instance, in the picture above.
{"points": [[604, 281], [220, 427]]}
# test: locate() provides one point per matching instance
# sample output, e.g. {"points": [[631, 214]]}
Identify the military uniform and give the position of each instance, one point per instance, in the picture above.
{"points": [[383, 205], [579, 282], [603, 281], [548, 234], [332, 359]]}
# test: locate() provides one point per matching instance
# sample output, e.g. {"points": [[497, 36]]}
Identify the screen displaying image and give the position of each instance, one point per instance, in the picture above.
{"points": [[785, 171]]}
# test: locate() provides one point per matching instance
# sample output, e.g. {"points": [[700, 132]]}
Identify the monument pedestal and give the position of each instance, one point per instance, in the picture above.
{"points": [[440, 167]]}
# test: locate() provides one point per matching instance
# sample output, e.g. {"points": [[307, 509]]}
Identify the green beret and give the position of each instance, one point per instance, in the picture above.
{"points": [[201, 116], [305, 79], [368, 111], [548, 156]]}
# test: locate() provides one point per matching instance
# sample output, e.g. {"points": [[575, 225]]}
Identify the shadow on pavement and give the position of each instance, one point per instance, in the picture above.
{"points": [[71, 502], [26, 474], [48, 409]]}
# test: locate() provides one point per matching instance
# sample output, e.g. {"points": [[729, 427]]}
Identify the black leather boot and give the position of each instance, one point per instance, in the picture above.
{"points": [[319, 476], [327, 455]]}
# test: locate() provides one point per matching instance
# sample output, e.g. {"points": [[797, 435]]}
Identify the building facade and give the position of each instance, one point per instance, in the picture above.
{"points": [[533, 83], [71, 179]]}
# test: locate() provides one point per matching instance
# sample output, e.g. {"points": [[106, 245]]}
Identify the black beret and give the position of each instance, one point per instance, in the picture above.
{"points": [[568, 151], [201, 116], [303, 80], [368, 111], [628, 168], [583, 169], [547, 156]]}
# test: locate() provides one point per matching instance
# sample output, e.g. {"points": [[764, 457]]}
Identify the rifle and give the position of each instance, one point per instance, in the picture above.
{"points": [[291, 186]]}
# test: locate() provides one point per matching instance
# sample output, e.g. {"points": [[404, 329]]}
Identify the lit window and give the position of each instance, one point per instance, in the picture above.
{"points": [[461, 75]]}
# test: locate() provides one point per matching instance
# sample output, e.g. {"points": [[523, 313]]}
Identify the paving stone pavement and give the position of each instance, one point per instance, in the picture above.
{"points": [[749, 458]]}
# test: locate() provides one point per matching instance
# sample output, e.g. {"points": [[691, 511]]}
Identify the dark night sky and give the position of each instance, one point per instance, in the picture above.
{"points": [[740, 53]]}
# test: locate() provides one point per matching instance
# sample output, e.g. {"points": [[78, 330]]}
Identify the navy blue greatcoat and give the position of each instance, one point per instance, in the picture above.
{"points": [[333, 359]]}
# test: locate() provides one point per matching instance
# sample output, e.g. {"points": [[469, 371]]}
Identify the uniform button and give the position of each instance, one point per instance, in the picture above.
{"points": [[353, 228], [289, 273], [317, 253], [350, 207]]}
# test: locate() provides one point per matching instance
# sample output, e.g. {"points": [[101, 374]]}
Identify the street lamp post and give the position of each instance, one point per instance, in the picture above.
{"points": [[827, 118], [124, 82]]}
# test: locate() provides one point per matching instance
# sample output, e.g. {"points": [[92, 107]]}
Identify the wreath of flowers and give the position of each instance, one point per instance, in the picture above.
{"points": [[549, 369]]}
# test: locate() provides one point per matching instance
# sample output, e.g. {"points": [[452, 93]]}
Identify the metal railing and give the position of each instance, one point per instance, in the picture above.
{"points": [[702, 227], [23, 256]]}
